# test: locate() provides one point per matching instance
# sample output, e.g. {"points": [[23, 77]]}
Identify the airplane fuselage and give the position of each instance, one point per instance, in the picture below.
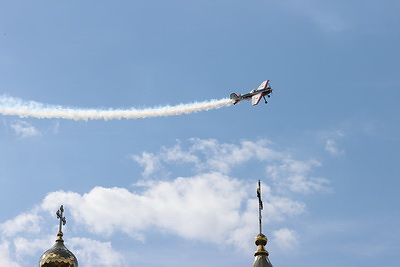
{"points": [[255, 95]]}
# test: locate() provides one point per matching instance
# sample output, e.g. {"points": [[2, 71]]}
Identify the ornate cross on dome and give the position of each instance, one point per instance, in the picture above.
{"points": [[260, 204], [63, 221]]}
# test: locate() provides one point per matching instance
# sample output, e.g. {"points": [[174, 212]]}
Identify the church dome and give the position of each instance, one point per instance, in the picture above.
{"points": [[58, 255]]}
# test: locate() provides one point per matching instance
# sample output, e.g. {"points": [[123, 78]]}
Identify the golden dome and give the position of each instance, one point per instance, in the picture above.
{"points": [[58, 255]]}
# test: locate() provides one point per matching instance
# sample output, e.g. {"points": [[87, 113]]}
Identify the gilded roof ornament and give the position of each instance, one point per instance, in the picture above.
{"points": [[261, 240], [59, 255], [63, 221]]}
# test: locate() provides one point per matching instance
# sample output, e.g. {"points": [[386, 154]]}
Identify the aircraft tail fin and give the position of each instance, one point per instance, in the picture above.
{"points": [[235, 98]]}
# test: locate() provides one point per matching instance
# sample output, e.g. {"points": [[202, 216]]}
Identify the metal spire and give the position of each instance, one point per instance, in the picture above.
{"points": [[260, 205], [261, 240], [63, 221]]}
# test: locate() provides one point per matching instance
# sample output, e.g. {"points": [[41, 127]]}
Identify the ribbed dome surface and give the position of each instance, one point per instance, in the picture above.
{"points": [[58, 256]]}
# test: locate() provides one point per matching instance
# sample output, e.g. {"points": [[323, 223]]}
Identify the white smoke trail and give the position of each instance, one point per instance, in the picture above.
{"points": [[18, 107]]}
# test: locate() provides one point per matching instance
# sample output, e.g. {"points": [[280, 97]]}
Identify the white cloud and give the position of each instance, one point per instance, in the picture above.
{"points": [[285, 238], [26, 246], [5, 259], [293, 175], [89, 252], [224, 157], [330, 139], [177, 154], [188, 207], [24, 129], [149, 162], [95, 253], [25, 222], [208, 155], [332, 148], [278, 208]]}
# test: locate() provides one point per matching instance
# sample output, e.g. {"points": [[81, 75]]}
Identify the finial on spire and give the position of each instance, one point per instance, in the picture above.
{"points": [[261, 240], [59, 255], [63, 221], [260, 204]]}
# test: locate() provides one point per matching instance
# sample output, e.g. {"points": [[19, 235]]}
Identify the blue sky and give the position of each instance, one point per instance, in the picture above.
{"points": [[168, 190]]}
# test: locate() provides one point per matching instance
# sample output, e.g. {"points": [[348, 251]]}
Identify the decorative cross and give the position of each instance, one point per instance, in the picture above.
{"points": [[63, 221], [260, 203]]}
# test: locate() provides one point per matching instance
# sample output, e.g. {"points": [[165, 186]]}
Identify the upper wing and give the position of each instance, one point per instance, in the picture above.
{"points": [[263, 85], [255, 99]]}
